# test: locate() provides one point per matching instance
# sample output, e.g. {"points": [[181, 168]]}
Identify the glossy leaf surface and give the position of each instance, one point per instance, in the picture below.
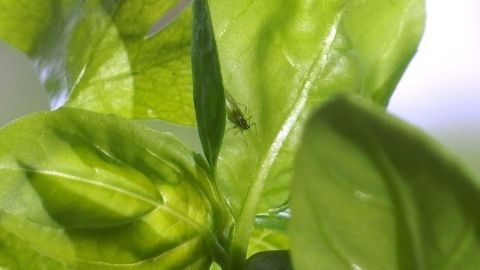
{"points": [[92, 55], [208, 92], [89, 191], [280, 59], [371, 192]]}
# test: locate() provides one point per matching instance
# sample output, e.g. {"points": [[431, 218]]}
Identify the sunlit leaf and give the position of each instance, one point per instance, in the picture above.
{"points": [[92, 55], [282, 58], [267, 239], [89, 191]]}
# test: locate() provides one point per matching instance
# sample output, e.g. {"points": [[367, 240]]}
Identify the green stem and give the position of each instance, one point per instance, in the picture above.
{"points": [[246, 220]]}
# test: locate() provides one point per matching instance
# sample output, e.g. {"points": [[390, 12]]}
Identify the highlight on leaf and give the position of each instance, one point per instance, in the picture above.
{"points": [[103, 190], [168, 18]]}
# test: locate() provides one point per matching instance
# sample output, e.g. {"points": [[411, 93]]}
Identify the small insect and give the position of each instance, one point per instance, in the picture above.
{"points": [[235, 115], [168, 18]]}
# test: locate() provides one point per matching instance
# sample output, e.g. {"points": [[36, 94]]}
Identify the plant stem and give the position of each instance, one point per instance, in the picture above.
{"points": [[245, 222]]}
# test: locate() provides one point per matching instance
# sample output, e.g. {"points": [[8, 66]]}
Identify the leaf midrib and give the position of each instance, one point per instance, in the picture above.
{"points": [[406, 204], [249, 208], [174, 212], [93, 50]]}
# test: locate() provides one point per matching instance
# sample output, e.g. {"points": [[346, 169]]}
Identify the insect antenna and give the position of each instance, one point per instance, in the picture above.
{"points": [[252, 124]]}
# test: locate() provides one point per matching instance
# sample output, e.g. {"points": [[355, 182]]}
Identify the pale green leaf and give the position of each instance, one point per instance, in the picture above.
{"points": [[270, 231], [92, 55], [264, 239], [90, 191], [371, 192], [280, 59]]}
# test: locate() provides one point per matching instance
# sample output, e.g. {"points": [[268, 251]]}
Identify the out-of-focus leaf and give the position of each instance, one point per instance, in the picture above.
{"points": [[92, 55], [89, 191], [24, 22], [208, 92], [371, 192], [280, 59]]}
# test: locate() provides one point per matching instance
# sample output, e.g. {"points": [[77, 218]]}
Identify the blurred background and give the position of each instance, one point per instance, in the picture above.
{"points": [[439, 92]]}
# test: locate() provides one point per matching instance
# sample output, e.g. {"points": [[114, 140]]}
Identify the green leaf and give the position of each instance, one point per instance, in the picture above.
{"points": [[274, 220], [385, 36], [263, 239], [89, 191], [10, 248], [24, 21], [92, 55], [282, 58], [270, 232], [208, 92], [268, 260], [371, 192]]}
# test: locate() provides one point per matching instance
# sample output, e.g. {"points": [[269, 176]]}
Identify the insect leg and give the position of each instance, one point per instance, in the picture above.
{"points": [[254, 125]]}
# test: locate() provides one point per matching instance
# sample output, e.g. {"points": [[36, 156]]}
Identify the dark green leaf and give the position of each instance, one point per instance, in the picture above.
{"points": [[371, 192], [92, 54], [269, 260], [208, 92], [89, 191], [276, 219]]}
